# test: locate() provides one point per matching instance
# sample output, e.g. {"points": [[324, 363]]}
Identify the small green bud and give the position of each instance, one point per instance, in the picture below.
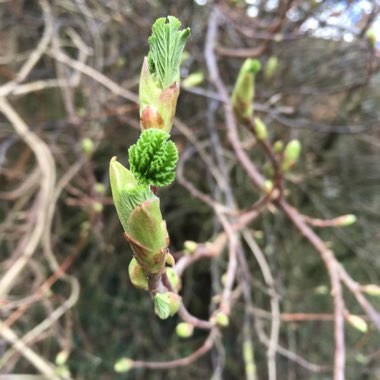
{"points": [[137, 275], [97, 207], [268, 186], [244, 90], [166, 304], [271, 67], [189, 247], [260, 129], [123, 365], [371, 36], [193, 79], [346, 220], [372, 290], [170, 260], [147, 235], [221, 319], [87, 146], [291, 153], [268, 169], [184, 330], [63, 371], [173, 278], [357, 322], [99, 188], [278, 146], [61, 358]]}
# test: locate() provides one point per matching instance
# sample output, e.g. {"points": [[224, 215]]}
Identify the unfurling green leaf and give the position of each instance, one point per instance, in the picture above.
{"points": [[166, 304], [153, 159], [166, 46]]}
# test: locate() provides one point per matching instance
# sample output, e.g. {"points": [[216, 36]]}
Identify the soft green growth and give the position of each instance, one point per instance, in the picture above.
{"points": [[127, 193], [271, 67], [166, 46], [87, 146], [137, 275], [347, 220], [260, 129], [193, 79], [166, 304], [123, 365], [291, 154], [221, 319], [357, 322], [244, 90], [184, 330], [372, 290], [173, 278], [371, 36], [153, 159]]}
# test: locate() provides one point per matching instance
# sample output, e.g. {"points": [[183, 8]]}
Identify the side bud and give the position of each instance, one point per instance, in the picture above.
{"points": [[184, 330], [137, 275], [260, 129], [244, 90], [291, 154], [166, 304]]}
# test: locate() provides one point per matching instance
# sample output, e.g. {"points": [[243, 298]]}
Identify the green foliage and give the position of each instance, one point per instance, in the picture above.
{"points": [[153, 159], [127, 193], [166, 46]]}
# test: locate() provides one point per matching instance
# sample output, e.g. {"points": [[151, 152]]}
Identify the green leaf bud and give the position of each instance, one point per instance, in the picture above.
{"points": [[159, 80], [291, 153], [357, 322], [278, 146], [166, 304], [170, 260], [346, 220], [87, 146], [244, 90], [271, 67], [372, 290], [371, 37], [127, 193], [260, 129], [137, 275], [153, 159], [184, 330], [221, 319], [97, 207], [268, 186], [189, 246], [99, 188], [193, 79], [123, 365], [174, 279], [61, 358], [147, 234]]}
